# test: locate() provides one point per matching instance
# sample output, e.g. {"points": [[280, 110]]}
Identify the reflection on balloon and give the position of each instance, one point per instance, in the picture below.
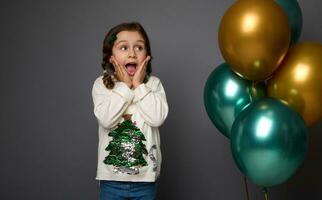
{"points": [[268, 141], [254, 37], [294, 15], [226, 94], [298, 81]]}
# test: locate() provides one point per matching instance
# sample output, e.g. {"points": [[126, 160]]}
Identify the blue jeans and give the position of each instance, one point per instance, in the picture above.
{"points": [[117, 190]]}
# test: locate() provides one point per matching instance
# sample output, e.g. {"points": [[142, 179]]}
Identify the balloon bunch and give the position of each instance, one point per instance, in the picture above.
{"points": [[268, 91]]}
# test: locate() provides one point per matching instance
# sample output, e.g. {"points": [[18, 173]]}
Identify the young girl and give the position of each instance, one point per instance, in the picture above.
{"points": [[129, 105]]}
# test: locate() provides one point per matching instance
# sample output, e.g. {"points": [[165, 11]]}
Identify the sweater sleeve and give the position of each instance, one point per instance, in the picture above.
{"points": [[151, 102], [109, 105]]}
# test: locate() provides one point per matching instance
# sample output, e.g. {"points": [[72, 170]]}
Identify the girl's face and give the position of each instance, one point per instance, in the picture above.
{"points": [[129, 50]]}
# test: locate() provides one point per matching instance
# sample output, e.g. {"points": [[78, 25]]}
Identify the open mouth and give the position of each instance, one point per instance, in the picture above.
{"points": [[131, 68]]}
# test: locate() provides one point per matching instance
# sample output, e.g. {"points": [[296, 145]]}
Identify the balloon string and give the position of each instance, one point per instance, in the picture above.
{"points": [[246, 187]]}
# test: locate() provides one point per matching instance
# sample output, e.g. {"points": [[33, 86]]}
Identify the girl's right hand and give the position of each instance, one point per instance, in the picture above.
{"points": [[121, 73]]}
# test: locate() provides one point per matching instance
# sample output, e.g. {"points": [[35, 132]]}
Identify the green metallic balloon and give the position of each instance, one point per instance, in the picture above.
{"points": [[226, 94], [294, 14], [269, 141]]}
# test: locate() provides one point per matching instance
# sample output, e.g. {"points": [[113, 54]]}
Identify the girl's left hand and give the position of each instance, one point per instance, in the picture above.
{"points": [[121, 73], [139, 75]]}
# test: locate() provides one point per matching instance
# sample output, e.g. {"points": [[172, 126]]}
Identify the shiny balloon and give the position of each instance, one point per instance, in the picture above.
{"points": [[298, 81], [294, 15], [254, 36], [269, 142], [226, 94]]}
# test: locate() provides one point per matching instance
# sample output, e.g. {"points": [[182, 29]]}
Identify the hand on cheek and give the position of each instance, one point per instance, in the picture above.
{"points": [[139, 75], [121, 73]]}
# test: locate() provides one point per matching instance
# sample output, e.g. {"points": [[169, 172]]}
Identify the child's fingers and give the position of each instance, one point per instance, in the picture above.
{"points": [[146, 61], [112, 61], [148, 58], [117, 67], [144, 64], [120, 70]]}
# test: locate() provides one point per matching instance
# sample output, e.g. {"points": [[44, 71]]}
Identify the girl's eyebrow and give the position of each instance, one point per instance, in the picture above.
{"points": [[140, 41], [120, 42]]}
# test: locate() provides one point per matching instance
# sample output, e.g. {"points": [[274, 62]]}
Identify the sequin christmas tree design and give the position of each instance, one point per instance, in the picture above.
{"points": [[126, 149]]}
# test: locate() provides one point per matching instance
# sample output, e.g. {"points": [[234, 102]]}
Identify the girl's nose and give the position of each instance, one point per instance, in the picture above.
{"points": [[132, 53]]}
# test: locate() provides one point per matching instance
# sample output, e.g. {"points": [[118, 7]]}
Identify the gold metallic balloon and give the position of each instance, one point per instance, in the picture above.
{"points": [[254, 36], [298, 81]]}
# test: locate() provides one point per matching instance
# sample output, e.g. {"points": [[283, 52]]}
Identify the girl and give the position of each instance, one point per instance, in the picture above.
{"points": [[129, 105]]}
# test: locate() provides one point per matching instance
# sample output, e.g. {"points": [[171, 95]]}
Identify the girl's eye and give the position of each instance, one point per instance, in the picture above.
{"points": [[123, 48], [139, 48]]}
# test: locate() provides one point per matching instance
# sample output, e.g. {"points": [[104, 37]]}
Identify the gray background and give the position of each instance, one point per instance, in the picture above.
{"points": [[50, 56]]}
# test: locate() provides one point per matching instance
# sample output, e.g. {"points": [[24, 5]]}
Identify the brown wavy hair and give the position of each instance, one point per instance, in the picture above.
{"points": [[108, 78]]}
